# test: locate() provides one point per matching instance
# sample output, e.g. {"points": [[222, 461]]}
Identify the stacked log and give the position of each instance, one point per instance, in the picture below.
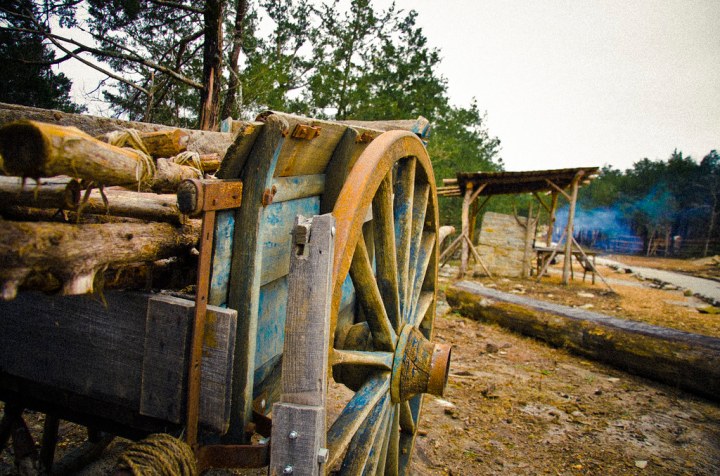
{"points": [[81, 213]]}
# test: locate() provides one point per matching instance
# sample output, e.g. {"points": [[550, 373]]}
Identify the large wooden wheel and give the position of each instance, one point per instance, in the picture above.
{"points": [[386, 258]]}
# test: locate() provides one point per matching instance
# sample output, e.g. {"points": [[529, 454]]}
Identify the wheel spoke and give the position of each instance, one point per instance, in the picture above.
{"points": [[403, 206], [382, 461], [393, 452], [382, 360], [354, 414], [367, 291], [426, 299], [420, 201], [359, 453], [407, 422], [385, 258], [424, 255]]}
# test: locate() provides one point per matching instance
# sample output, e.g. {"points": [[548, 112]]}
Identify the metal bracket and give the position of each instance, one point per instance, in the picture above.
{"points": [[305, 131]]}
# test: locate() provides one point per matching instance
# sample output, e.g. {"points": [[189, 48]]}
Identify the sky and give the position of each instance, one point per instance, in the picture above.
{"points": [[575, 83], [583, 82]]}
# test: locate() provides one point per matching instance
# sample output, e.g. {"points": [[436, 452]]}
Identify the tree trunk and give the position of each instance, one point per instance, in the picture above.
{"points": [[73, 254], [229, 108], [212, 64]]}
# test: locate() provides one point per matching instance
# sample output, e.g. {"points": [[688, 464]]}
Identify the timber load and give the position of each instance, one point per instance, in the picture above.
{"points": [[89, 203]]}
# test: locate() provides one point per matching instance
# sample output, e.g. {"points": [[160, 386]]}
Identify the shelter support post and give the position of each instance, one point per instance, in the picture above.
{"points": [[567, 264]]}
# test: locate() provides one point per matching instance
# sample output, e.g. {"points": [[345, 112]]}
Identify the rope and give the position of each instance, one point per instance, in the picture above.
{"points": [[130, 138], [189, 158], [158, 455]]}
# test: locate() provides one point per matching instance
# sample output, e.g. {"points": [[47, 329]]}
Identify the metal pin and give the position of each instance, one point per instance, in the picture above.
{"points": [[288, 469], [293, 435]]}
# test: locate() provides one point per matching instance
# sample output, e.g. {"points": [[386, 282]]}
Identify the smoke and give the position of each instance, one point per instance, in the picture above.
{"points": [[600, 228]]}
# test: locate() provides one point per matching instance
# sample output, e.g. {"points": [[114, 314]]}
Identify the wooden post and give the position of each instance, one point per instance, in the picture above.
{"points": [[298, 432], [569, 230], [551, 218], [465, 229]]}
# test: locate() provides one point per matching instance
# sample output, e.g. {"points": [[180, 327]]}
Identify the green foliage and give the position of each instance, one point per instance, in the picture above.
{"points": [[677, 196], [28, 78]]}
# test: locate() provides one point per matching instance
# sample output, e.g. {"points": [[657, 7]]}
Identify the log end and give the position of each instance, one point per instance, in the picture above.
{"points": [[23, 149]]}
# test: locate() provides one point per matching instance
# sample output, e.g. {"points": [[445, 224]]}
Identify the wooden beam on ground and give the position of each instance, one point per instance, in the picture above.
{"points": [[680, 359]]}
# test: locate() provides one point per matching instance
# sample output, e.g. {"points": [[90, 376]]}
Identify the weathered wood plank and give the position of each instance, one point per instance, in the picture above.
{"points": [[97, 351], [246, 268], [300, 156], [238, 152], [294, 188], [203, 142], [419, 126], [167, 344], [299, 420], [689, 361], [351, 145], [277, 223]]}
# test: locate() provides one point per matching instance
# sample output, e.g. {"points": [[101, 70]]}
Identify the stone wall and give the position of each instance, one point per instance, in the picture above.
{"points": [[501, 244]]}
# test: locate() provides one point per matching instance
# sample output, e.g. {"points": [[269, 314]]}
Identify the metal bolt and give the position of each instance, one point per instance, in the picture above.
{"points": [[332, 231], [323, 454], [293, 435], [288, 469]]}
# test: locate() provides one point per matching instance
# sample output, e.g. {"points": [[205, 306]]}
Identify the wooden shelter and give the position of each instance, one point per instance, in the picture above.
{"points": [[473, 186]]}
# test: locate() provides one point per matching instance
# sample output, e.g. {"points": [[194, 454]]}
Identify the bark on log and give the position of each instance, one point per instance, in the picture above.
{"points": [[688, 361], [38, 149], [65, 194], [167, 143], [203, 142], [73, 254], [50, 193]]}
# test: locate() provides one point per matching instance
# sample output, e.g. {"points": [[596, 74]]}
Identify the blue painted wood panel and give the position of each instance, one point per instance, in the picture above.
{"points": [[275, 235], [222, 254]]}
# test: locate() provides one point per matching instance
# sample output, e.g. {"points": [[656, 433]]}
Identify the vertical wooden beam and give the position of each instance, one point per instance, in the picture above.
{"points": [[465, 217], [569, 230], [298, 433], [551, 218]]}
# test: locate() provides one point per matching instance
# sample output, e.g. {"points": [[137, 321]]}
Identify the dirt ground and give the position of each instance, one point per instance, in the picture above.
{"points": [[515, 406]]}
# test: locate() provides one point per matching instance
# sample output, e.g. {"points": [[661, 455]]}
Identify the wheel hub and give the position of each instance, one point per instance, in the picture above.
{"points": [[419, 366]]}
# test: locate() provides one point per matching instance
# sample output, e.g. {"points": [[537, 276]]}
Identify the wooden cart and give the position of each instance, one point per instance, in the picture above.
{"points": [[282, 302]]}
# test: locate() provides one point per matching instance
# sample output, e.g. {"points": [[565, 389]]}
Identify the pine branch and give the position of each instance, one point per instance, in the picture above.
{"points": [[188, 8], [105, 53]]}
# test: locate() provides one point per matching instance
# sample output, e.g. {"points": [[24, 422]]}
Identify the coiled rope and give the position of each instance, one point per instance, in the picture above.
{"points": [[158, 455]]}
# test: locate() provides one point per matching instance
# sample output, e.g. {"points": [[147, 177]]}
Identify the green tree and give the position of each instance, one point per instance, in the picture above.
{"points": [[28, 78]]}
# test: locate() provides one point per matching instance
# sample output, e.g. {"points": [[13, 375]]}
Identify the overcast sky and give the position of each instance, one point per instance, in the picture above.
{"points": [[579, 82], [584, 82]]}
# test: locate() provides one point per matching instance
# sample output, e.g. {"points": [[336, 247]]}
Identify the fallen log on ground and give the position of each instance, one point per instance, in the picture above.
{"points": [[73, 254], [37, 149], [681, 359]]}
